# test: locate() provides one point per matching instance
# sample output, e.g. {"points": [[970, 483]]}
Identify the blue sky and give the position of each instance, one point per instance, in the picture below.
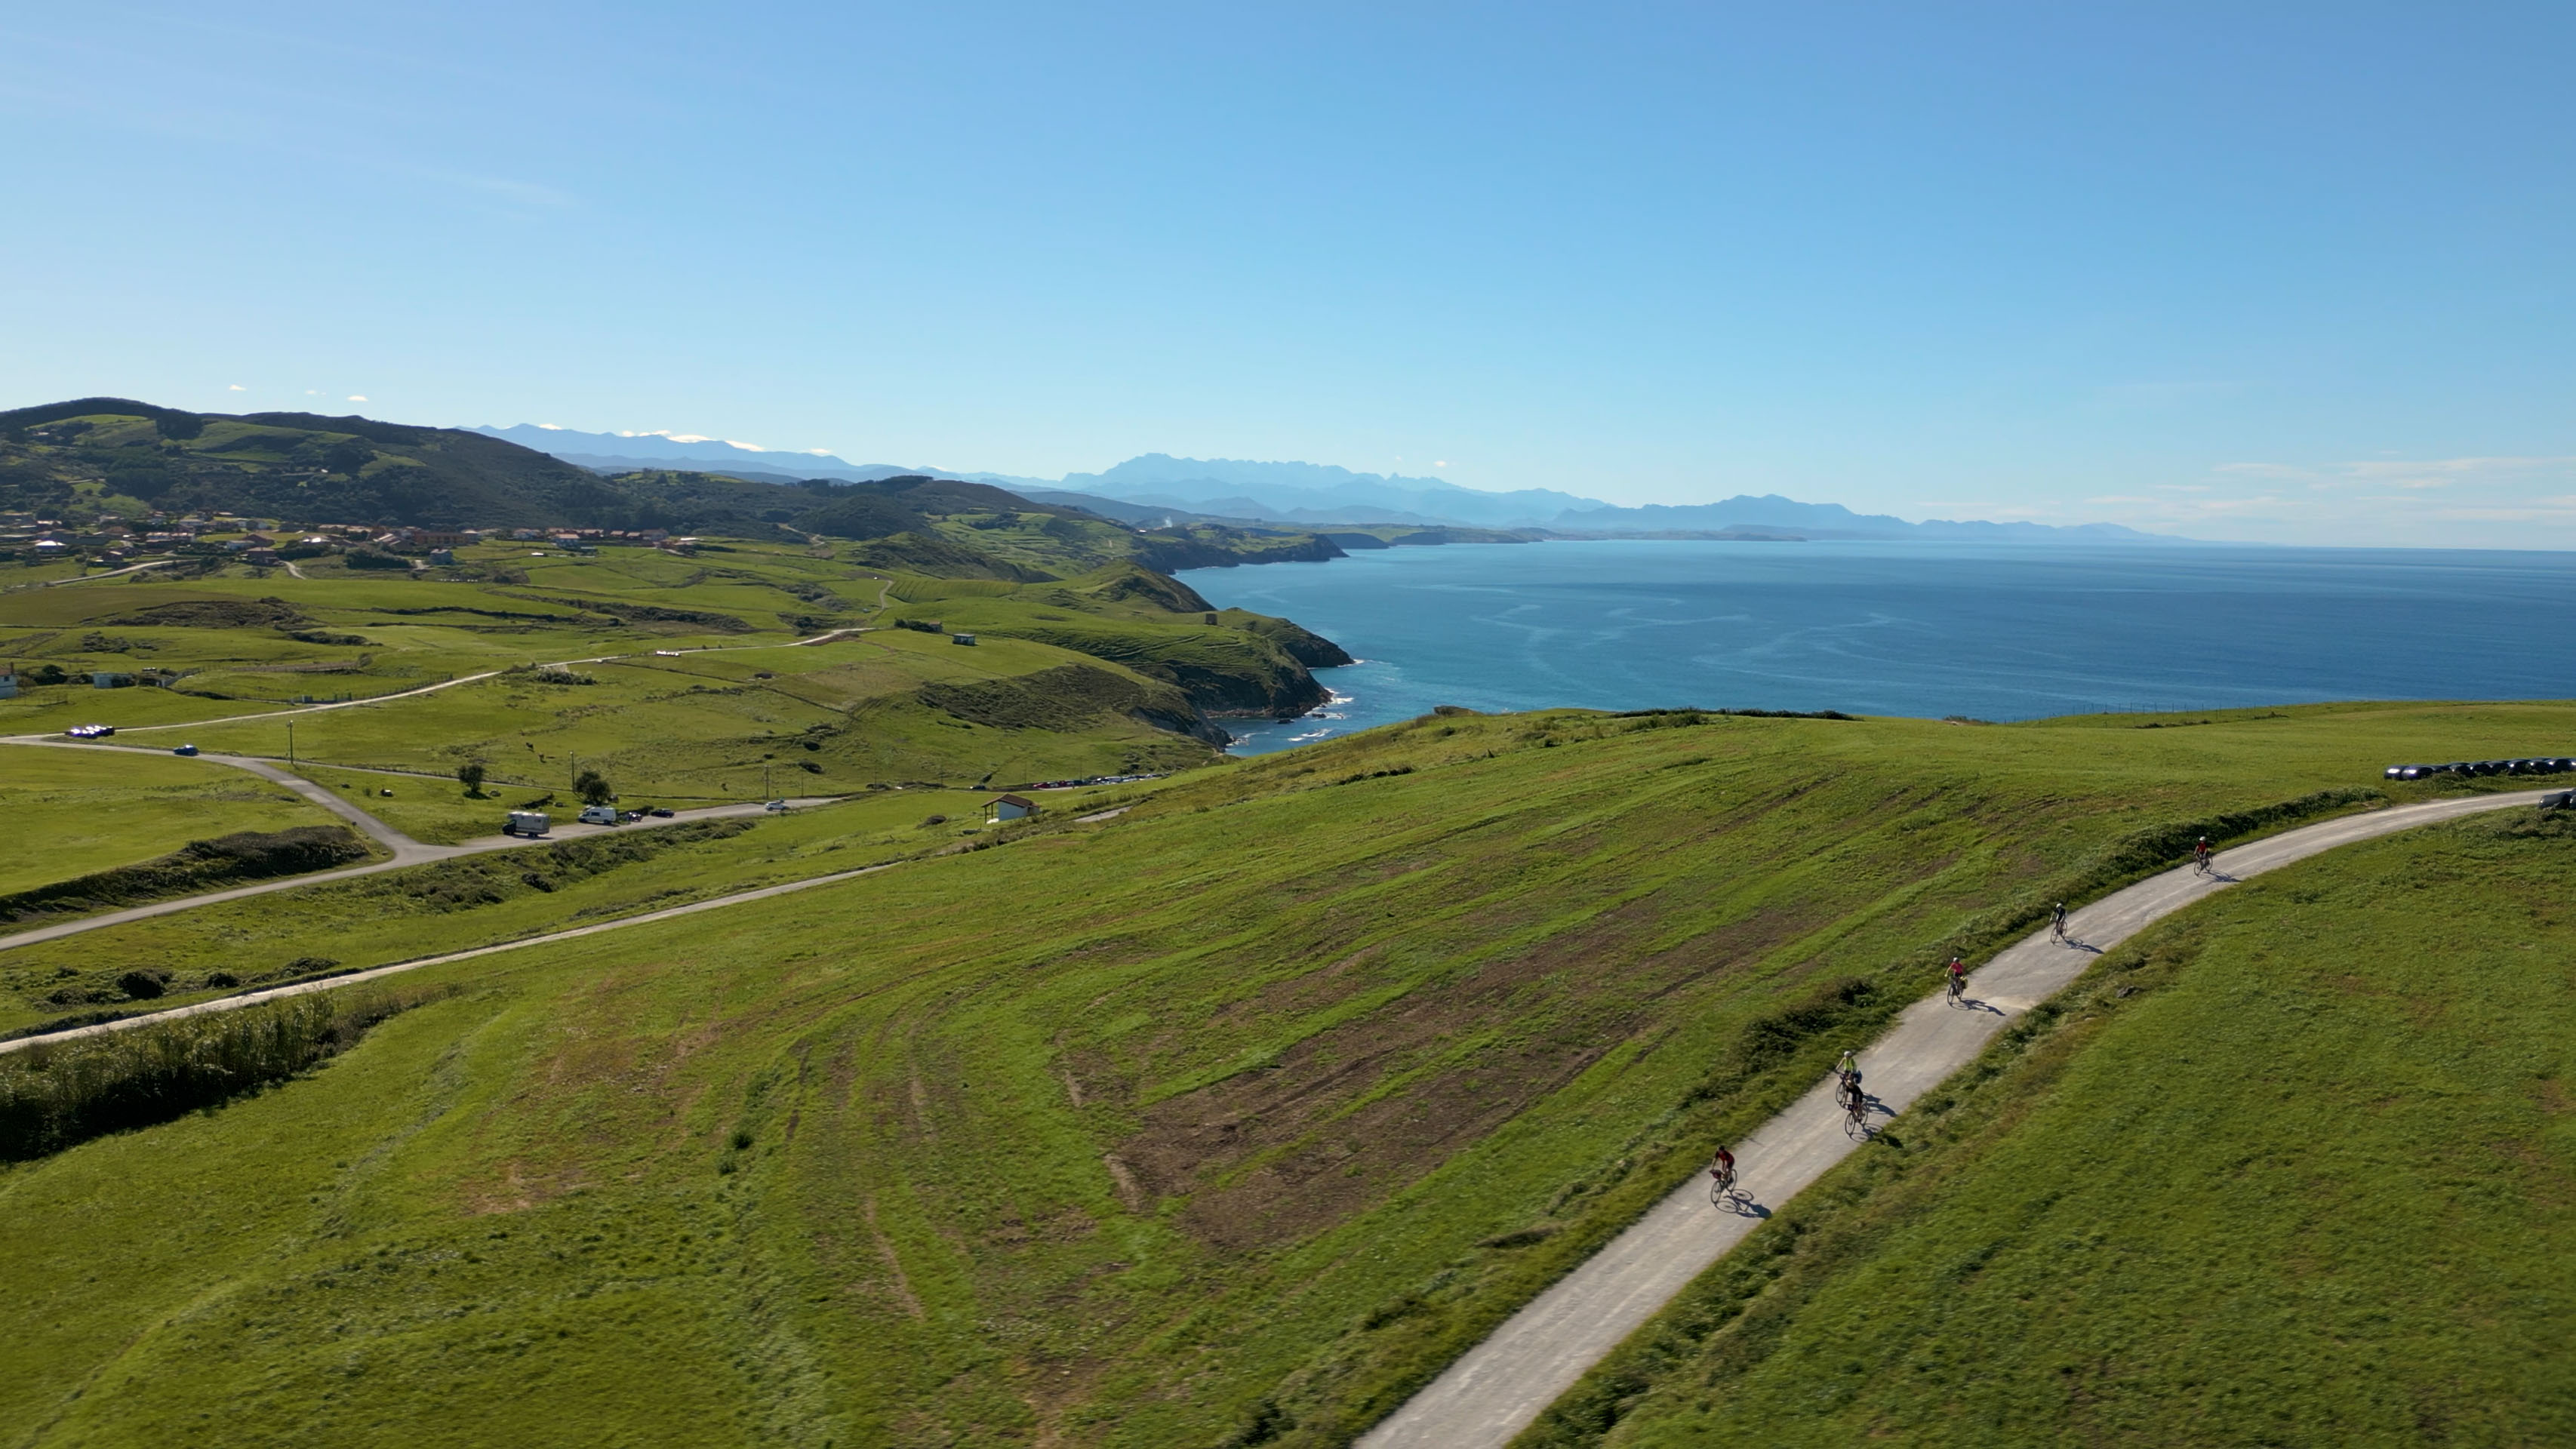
{"points": [[2289, 272]]}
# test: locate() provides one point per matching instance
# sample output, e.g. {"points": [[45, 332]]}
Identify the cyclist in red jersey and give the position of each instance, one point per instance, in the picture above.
{"points": [[1722, 1166]]}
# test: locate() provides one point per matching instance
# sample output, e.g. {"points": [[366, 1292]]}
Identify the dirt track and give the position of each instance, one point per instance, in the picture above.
{"points": [[1503, 1384]]}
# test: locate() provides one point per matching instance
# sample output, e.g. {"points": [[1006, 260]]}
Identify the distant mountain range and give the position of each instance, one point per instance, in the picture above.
{"points": [[1312, 495], [627, 452]]}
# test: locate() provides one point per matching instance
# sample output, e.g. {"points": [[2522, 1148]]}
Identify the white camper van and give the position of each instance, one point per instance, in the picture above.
{"points": [[599, 815], [527, 822]]}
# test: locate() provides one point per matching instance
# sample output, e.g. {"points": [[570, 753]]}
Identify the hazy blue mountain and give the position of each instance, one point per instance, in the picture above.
{"points": [[1319, 493], [1306, 495], [626, 452], [1828, 520]]}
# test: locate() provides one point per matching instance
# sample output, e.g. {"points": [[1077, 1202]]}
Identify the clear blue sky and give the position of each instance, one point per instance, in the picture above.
{"points": [[2284, 271]]}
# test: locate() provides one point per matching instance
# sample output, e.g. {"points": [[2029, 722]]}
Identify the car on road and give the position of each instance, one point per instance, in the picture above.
{"points": [[660, 812], [777, 807], [599, 815], [185, 750], [90, 732]]}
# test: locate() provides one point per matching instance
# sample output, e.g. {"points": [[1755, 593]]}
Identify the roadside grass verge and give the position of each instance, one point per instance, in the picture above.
{"points": [[95, 811], [435, 810], [2293, 1167], [193, 869], [56, 1095], [459, 904]]}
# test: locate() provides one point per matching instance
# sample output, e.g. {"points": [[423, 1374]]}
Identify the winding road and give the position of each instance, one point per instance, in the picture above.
{"points": [[1503, 1384], [406, 850]]}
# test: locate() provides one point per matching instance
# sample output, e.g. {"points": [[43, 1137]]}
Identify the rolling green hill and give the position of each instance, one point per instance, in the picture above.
{"points": [[86, 458], [2297, 1168], [691, 684], [1227, 1119]]}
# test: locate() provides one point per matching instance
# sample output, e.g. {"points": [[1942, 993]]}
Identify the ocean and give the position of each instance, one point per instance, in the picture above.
{"points": [[1988, 632]]}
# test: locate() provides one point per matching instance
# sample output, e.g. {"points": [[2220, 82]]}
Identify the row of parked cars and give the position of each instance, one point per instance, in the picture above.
{"points": [[2539, 765]]}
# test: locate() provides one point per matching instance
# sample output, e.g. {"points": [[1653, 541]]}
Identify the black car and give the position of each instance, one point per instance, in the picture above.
{"points": [[660, 812]]}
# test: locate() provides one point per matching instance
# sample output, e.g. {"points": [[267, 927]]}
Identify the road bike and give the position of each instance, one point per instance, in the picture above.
{"points": [[1721, 1188], [1958, 986]]}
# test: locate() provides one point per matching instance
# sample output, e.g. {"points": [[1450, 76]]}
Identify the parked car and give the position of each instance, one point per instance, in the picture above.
{"points": [[599, 815], [90, 731], [660, 812], [185, 750]]}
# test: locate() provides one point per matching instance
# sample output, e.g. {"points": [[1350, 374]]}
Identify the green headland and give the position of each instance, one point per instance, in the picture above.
{"points": [[1224, 1106]]}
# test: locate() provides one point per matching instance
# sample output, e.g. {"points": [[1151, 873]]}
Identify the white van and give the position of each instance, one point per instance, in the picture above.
{"points": [[527, 822], [599, 815]]}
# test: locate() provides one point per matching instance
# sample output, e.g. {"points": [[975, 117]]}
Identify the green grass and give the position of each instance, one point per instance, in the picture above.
{"points": [[478, 900], [2295, 1168], [1116, 1134], [702, 690], [97, 811], [428, 808]]}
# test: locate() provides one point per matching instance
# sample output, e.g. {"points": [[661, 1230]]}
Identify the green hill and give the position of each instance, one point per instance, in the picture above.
{"points": [[687, 680], [86, 458], [2294, 1169], [1226, 1120]]}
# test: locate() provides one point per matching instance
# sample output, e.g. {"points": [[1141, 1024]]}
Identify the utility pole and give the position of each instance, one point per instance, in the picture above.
{"points": [[290, 745]]}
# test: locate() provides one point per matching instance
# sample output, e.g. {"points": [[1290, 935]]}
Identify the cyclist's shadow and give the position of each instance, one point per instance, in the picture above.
{"points": [[1741, 1204], [1969, 1003]]}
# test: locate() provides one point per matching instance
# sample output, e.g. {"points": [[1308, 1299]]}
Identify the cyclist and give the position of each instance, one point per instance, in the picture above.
{"points": [[1849, 1064], [2057, 924], [1721, 1168], [1852, 1095], [1957, 974], [2200, 856]]}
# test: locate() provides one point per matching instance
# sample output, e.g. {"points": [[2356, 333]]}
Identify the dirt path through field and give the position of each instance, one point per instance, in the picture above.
{"points": [[1503, 1384]]}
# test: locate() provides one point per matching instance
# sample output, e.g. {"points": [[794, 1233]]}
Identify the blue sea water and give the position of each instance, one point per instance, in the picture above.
{"points": [[1991, 632]]}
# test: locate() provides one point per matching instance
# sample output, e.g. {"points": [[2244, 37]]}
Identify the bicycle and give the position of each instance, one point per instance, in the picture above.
{"points": [[1958, 986], [1721, 1189], [1856, 1115], [2057, 927]]}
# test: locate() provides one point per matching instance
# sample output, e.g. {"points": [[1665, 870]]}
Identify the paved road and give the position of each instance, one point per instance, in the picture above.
{"points": [[110, 573], [1503, 1384], [462, 679], [233, 1003], [406, 851], [230, 1003]]}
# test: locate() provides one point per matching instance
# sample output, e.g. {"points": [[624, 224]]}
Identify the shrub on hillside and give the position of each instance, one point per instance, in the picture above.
{"points": [[57, 1095]]}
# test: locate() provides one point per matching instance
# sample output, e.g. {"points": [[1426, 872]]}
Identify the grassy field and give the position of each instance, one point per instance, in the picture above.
{"points": [[1232, 1117], [2295, 1169], [479, 900], [95, 812], [696, 691]]}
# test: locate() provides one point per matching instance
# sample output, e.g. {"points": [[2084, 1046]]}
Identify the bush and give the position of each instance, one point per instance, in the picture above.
{"points": [[57, 1095]]}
